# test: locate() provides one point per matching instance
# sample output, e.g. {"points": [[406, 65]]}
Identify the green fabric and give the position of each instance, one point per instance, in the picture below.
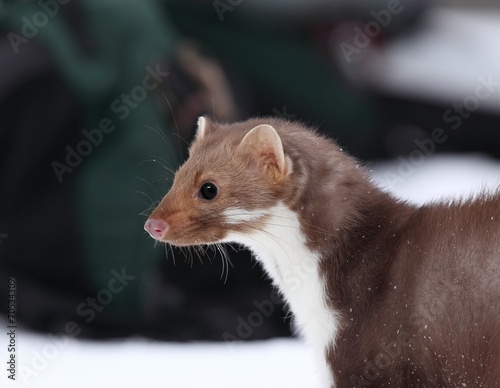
{"points": [[125, 37]]}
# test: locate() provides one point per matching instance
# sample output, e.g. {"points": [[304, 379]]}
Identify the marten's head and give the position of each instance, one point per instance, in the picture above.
{"points": [[233, 175]]}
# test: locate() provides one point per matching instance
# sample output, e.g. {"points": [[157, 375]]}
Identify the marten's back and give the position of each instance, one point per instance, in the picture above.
{"points": [[458, 289]]}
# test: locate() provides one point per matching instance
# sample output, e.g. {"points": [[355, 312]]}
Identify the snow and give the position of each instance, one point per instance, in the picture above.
{"points": [[59, 361], [42, 362], [440, 177], [447, 59]]}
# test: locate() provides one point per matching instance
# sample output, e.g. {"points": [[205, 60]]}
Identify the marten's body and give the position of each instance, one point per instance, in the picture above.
{"points": [[389, 294]]}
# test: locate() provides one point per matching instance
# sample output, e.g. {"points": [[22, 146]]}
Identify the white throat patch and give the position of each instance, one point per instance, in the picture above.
{"points": [[293, 267]]}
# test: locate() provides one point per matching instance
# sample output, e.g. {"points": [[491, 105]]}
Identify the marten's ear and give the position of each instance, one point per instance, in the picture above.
{"points": [[263, 145], [202, 125]]}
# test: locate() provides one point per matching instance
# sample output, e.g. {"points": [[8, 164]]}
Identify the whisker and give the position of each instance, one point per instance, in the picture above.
{"points": [[145, 213], [164, 164], [149, 201], [175, 121], [173, 254], [150, 185], [181, 138], [166, 251], [223, 263], [231, 246], [226, 261], [163, 178], [163, 136], [172, 251], [199, 252]]}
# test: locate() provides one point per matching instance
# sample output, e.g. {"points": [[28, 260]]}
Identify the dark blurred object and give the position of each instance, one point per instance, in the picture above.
{"points": [[408, 123], [32, 131]]}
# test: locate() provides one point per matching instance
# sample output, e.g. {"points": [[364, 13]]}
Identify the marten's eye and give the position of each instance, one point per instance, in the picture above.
{"points": [[208, 191]]}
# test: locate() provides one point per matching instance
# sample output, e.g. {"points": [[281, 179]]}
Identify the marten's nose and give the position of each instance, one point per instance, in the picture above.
{"points": [[156, 228]]}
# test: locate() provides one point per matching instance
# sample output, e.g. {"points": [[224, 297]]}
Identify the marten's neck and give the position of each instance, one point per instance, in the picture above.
{"points": [[357, 264], [351, 224]]}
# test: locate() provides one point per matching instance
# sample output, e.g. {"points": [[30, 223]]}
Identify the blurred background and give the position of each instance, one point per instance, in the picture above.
{"points": [[99, 99]]}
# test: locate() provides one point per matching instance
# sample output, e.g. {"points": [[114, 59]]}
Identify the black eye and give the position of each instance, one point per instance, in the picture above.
{"points": [[208, 191]]}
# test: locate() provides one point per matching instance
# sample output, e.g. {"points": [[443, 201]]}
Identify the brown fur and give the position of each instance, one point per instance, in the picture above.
{"points": [[417, 288]]}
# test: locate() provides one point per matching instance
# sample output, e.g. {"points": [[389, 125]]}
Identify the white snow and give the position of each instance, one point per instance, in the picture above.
{"points": [[439, 177], [143, 363], [446, 59]]}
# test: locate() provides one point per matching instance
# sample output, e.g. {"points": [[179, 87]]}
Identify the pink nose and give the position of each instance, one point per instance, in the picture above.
{"points": [[156, 228]]}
